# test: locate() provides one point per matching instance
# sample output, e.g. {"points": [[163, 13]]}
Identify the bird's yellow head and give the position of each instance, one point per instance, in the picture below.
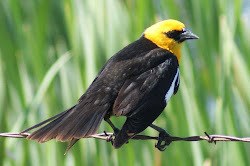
{"points": [[169, 35]]}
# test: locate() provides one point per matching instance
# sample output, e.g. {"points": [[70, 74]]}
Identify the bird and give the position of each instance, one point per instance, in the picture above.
{"points": [[137, 82]]}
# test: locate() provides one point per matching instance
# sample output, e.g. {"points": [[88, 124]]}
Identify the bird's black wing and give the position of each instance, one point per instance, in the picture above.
{"points": [[156, 81]]}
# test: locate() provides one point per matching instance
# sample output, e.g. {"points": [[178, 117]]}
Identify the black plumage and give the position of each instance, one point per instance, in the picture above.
{"points": [[142, 98], [137, 82], [135, 61]]}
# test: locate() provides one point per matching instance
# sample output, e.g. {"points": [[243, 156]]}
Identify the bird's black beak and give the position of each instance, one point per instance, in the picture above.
{"points": [[186, 35]]}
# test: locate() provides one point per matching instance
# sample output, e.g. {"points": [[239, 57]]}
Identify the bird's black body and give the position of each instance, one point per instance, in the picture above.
{"points": [[142, 98], [132, 83], [137, 82]]}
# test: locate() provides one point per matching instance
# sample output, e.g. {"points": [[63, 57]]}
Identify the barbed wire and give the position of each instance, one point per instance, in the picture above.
{"points": [[108, 136]]}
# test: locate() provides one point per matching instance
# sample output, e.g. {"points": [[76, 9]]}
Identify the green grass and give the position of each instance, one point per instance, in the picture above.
{"points": [[50, 52]]}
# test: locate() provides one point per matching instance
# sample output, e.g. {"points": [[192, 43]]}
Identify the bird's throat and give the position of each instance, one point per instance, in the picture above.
{"points": [[174, 47], [176, 50]]}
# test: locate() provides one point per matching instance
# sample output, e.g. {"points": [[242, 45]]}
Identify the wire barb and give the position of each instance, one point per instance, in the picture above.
{"points": [[210, 139], [109, 138]]}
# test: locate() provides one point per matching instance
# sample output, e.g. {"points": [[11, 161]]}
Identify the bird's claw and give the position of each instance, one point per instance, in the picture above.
{"points": [[162, 139], [110, 138]]}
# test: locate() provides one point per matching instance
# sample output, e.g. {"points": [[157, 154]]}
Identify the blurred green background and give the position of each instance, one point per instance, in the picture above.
{"points": [[50, 52]]}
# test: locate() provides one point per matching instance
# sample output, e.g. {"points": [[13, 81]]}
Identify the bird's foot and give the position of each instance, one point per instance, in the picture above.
{"points": [[110, 138], [116, 130], [162, 143]]}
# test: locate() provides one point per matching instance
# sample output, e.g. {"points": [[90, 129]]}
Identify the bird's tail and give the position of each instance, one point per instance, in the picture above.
{"points": [[72, 124]]}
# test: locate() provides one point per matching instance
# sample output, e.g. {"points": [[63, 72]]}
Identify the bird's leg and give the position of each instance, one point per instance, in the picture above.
{"points": [[162, 137], [116, 130]]}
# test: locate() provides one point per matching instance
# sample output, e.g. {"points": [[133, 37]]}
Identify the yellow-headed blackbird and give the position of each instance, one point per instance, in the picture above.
{"points": [[137, 82]]}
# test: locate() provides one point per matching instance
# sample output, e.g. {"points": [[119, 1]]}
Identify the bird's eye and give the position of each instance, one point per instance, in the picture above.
{"points": [[174, 34]]}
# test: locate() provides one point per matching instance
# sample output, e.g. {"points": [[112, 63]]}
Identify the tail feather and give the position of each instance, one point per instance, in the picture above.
{"points": [[87, 125], [74, 123], [90, 129], [81, 123], [72, 142], [46, 121]]}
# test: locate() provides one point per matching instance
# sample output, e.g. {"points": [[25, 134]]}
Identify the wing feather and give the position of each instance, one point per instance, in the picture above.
{"points": [[136, 90]]}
